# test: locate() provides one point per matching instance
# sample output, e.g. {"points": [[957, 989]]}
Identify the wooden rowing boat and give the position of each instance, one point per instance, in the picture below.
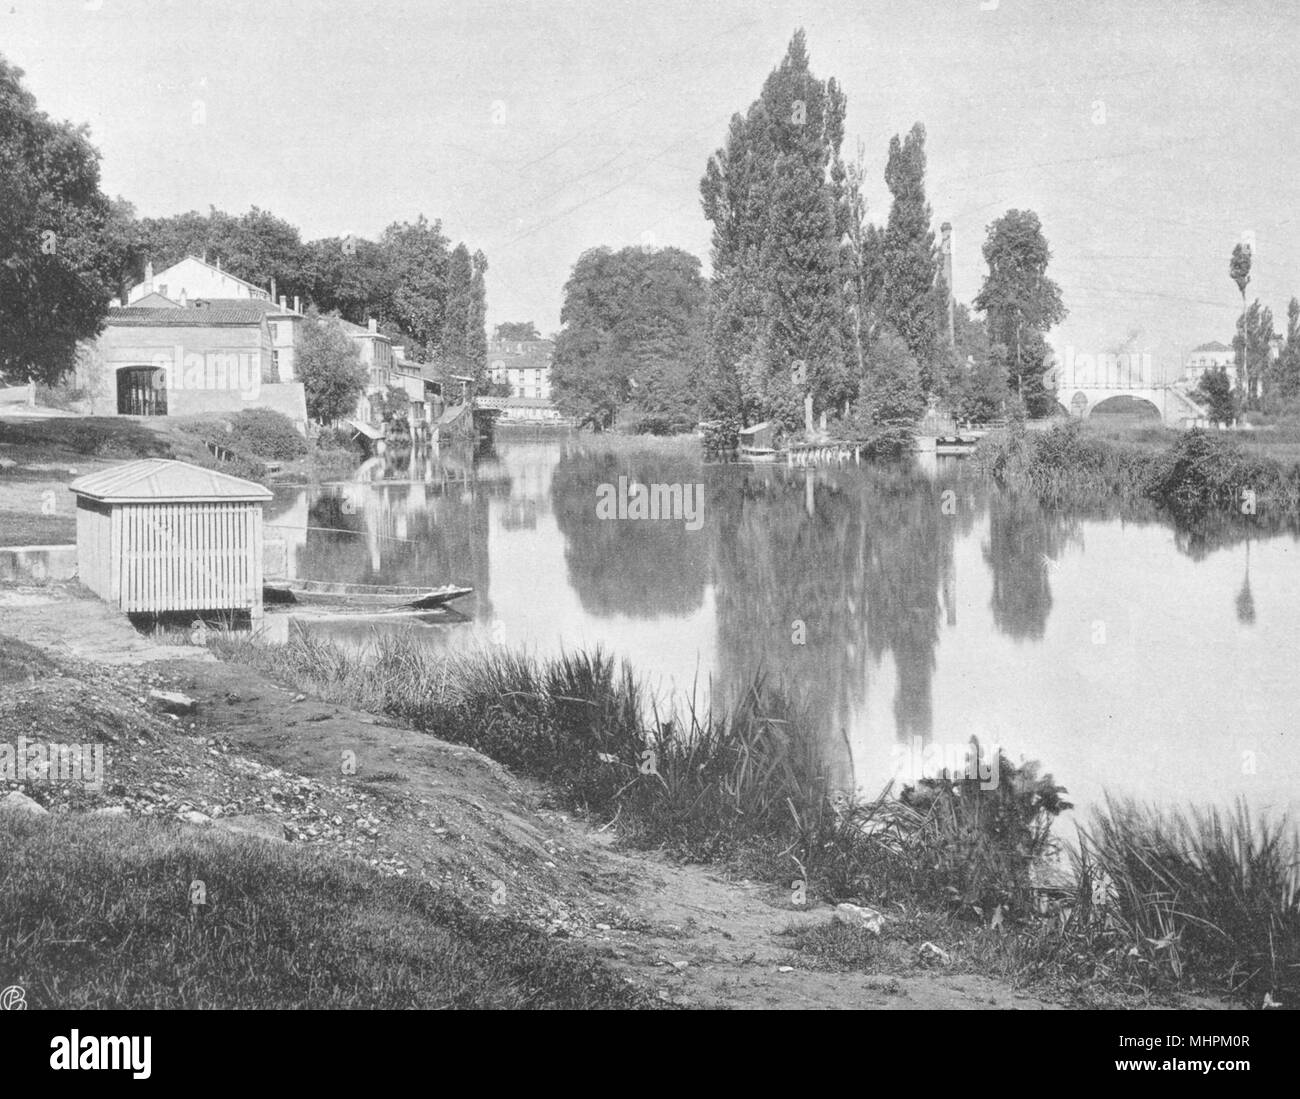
{"points": [[365, 596]]}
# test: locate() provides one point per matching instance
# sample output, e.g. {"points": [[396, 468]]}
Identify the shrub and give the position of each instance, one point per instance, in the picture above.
{"points": [[339, 438], [983, 842], [661, 425], [722, 434], [63, 395], [265, 433]]}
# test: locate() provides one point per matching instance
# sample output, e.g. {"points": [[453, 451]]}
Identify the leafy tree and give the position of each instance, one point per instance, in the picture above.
{"points": [[893, 389], [463, 346], [633, 332], [982, 394], [587, 377], [1284, 378], [58, 235], [476, 336], [393, 403], [517, 330], [417, 270], [353, 277], [1215, 392], [910, 262], [1021, 304], [1254, 342], [775, 193], [332, 372], [256, 247]]}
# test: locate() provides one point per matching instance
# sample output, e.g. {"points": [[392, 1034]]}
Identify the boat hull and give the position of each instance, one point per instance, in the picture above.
{"points": [[365, 597]]}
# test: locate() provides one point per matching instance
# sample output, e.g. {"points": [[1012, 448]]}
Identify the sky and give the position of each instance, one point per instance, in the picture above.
{"points": [[1148, 135]]}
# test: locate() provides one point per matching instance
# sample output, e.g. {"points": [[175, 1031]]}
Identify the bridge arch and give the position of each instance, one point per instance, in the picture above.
{"points": [[1123, 404]]}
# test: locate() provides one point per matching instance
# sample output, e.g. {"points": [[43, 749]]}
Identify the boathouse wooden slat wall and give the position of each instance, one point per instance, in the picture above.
{"points": [[172, 556]]}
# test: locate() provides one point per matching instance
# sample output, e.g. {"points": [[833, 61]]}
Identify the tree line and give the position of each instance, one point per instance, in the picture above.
{"points": [[1267, 361], [69, 250], [808, 297]]}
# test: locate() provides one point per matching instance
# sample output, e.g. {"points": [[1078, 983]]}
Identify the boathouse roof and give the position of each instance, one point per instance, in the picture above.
{"points": [[153, 480]]}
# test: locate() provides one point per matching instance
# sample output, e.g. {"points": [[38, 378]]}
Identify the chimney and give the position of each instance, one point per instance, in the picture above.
{"points": [[273, 289], [373, 323], [297, 304], [284, 305], [946, 230], [148, 276]]}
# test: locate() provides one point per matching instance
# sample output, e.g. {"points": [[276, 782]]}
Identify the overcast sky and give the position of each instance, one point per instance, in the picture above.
{"points": [[1147, 134]]}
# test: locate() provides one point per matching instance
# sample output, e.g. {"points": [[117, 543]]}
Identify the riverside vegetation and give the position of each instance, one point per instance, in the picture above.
{"points": [[1192, 476], [1154, 901]]}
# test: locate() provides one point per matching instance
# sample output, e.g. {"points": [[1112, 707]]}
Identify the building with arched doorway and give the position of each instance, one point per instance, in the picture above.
{"points": [[168, 359]]}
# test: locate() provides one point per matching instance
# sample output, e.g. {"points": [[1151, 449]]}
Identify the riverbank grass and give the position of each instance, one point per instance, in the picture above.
{"points": [[1150, 905], [102, 913]]}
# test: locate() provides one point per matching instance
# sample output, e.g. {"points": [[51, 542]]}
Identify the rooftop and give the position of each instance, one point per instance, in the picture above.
{"points": [[230, 311], [1213, 345], [152, 480], [211, 267]]}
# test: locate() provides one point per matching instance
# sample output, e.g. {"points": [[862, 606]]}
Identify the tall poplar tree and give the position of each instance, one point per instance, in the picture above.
{"points": [[453, 347], [775, 193], [911, 282]]}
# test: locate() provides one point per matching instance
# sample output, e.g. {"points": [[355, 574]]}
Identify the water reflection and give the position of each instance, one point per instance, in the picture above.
{"points": [[905, 605], [1023, 544], [640, 567]]}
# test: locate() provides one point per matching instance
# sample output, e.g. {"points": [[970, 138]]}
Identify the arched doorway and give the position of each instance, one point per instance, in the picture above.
{"points": [[1078, 405], [141, 391]]}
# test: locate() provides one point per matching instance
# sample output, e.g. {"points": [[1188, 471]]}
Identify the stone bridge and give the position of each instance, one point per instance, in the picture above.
{"points": [[1084, 383], [1175, 407]]}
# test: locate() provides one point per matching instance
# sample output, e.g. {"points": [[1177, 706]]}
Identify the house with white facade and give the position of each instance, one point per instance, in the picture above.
{"points": [[1210, 356], [524, 365]]}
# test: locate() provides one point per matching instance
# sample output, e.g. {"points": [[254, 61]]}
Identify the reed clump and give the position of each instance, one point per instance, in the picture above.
{"points": [[1195, 893]]}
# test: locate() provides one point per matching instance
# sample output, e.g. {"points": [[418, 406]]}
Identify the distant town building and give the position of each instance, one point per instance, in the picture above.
{"points": [[193, 284], [1210, 356], [194, 278], [524, 365]]}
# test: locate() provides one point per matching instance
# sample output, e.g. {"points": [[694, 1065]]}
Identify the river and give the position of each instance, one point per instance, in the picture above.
{"points": [[911, 607]]}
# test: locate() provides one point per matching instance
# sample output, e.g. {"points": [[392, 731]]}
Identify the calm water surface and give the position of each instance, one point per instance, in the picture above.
{"points": [[1125, 656]]}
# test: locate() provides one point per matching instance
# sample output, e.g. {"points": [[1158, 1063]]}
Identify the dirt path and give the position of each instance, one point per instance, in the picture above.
{"points": [[411, 804]]}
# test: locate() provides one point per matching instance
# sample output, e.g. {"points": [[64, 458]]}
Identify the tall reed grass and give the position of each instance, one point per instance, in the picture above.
{"points": [[1197, 893]]}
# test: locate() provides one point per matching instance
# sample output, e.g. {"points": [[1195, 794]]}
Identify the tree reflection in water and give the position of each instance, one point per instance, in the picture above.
{"points": [[639, 567], [810, 597]]}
